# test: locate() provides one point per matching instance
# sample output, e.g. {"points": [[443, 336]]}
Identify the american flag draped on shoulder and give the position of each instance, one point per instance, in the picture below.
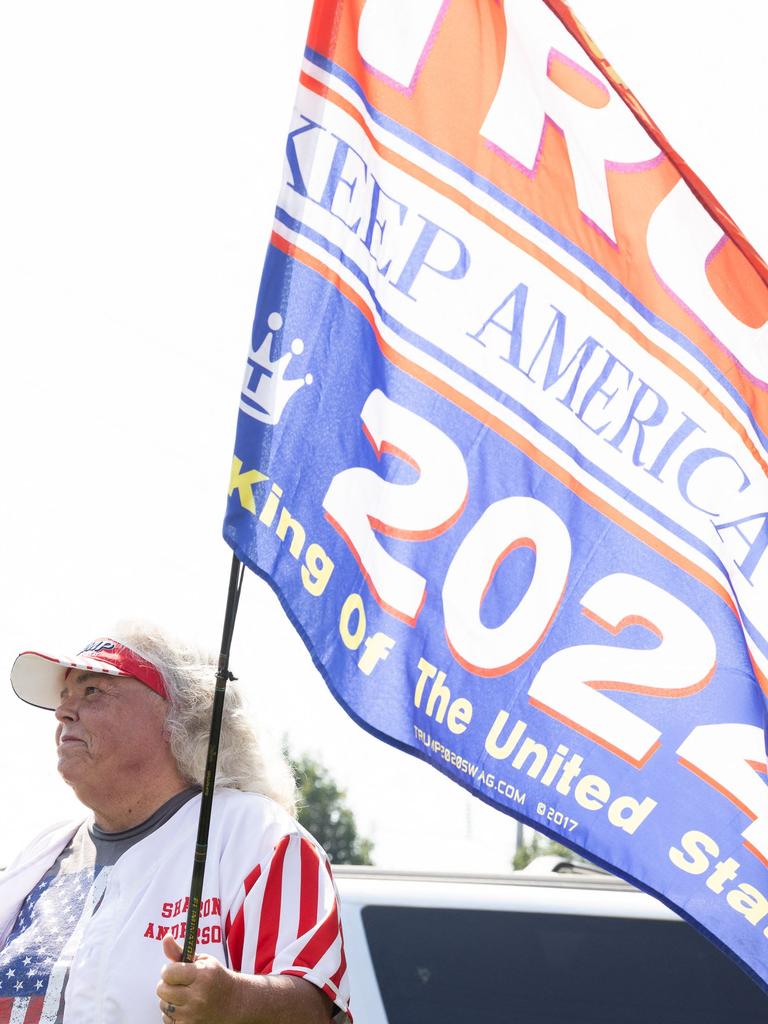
{"points": [[501, 449]]}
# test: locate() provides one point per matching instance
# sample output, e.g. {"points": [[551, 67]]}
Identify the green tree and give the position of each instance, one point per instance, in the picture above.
{"points": [[322, 812]]}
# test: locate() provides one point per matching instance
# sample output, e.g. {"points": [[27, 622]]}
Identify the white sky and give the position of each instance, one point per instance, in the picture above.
{"points": [[142, 146]]}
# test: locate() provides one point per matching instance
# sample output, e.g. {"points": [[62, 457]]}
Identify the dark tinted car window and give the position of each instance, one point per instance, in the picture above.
{"points": [[437, 966]]}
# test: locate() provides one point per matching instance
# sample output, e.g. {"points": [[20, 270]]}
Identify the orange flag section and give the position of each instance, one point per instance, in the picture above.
{"points": [[448, 102]]}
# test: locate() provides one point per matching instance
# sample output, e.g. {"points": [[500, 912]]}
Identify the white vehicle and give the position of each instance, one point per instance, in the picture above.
{"points": [[553, 944]]}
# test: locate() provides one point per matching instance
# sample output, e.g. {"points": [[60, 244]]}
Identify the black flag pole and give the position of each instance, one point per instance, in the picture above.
{"points": [[223, 675]]}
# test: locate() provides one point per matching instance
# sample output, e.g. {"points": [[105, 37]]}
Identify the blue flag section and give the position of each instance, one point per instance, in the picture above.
{"points": [[501, 449]]}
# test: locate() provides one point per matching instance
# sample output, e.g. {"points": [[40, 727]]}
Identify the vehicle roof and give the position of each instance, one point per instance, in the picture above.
{"points": [[549, 871], [543, 887]]}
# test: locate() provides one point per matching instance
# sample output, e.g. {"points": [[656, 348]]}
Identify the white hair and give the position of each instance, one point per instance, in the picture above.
{"points": [[244, 760]]}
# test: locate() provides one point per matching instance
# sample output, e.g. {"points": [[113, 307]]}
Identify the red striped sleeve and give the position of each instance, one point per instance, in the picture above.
{"points": [[322, 940], [310, 868], [236, 930], [286, 919], [269, 922], [336, 979]]}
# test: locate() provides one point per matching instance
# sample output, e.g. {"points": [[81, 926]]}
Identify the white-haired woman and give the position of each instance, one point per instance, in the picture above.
{"points": [[94, 912]]}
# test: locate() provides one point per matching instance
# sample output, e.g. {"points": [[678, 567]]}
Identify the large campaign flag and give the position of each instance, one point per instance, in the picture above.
{"points": [[501, 448]]}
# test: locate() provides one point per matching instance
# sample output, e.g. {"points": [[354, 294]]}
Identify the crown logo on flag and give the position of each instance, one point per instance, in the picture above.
{"points": [[266, 389]]}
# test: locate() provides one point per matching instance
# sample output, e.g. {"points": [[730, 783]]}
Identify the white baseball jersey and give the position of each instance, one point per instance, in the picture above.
{"points": [[269, 906]]}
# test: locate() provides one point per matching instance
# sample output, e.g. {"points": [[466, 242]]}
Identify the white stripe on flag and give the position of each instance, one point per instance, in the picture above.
{"points": [[19, 1010]]}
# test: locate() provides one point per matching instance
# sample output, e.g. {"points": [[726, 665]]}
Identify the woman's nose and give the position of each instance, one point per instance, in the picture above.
{"points": [[67, 709]]}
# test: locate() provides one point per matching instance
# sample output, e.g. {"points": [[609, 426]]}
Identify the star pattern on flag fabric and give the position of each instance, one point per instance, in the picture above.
{"points": [[45, 922]]}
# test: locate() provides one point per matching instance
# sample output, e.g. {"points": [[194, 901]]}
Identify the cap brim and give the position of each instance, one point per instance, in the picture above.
{"points": [[39, 678]]}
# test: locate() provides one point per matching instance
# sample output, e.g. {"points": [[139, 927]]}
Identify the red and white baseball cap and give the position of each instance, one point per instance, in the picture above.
{"points": [[39, 678]]}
